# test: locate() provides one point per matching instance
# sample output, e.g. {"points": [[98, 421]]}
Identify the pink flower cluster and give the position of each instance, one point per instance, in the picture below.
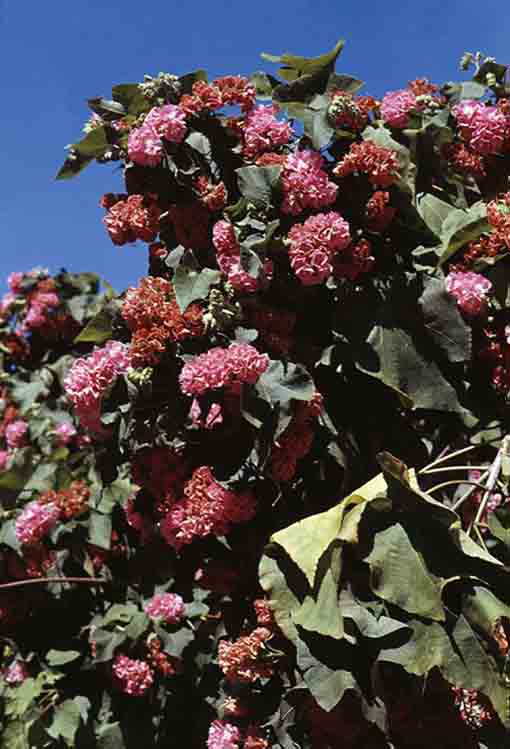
{"points": [[484, 128], [15, 673], [228, 257], [470, 291], [16, 433], [313, 244], [473, 707], [397, 106], [166, 606], [37, 312], [130, 218], [262, 132], [133, 677], [207, 508], [145, 146], [65, 433], [223, 735], [219, 367], [305, 184], [35, 521], [380, 164], [89, 379]]}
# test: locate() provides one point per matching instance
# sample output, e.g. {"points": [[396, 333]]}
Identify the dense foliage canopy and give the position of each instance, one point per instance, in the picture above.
{"points": [[261, 499]]}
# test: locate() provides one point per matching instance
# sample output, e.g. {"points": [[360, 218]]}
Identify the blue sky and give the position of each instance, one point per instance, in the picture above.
{"points": [[57, 54]]}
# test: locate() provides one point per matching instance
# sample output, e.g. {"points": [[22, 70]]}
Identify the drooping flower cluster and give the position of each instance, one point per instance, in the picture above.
{"points": [[161, 472], [223, 735], [133, 677], [380, 164], [145, 144], [295, 442], [213, 196], [470, 291], [166, 606], [155, 320], [15, 673], [243, 660], [65, 433], [354, 261], [131, 217], [263, 132], [35, 521], [313, 245], [228, 257], [305, 184], [275, 325], [207, 508], [464, 161], [40, 302], [220, 368], [484, 128], [498, 215], [90, 378]]}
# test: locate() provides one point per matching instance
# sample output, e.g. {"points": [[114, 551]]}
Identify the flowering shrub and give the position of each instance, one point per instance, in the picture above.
{"points": [[202, 514]]}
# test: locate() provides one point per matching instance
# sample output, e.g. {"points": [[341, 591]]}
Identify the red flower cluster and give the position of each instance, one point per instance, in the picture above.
{"points": [[153, 316], [206, 97], [347, 112], [191, 224], [214, 197], [380, 164], [463, 160], [275, 325], [130, 218], [242, 660], [356, 260], [207, 508], [295, 442], [378, 212], [71, 502]]}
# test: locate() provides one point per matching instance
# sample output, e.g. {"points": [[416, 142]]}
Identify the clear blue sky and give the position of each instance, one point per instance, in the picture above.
{"points": [[56, 54]]}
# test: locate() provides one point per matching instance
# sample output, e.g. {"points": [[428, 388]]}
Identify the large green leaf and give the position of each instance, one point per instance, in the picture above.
{"points": [[400, 576], [461, 227], [190, 283], [434, 212], [443, 321], [256, 183], [66, 719], [100, 328], [295, 65]]}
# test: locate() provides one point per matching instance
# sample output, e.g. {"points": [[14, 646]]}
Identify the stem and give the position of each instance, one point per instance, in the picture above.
{"points": [[453, 481], [491, 481], [454, 468], [44, 580], [469, 492], [442, 458]]}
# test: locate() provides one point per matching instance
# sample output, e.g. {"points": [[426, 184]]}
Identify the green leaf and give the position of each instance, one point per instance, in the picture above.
{"points": [[109, 736], [264, 84], [26, 393], [434, 212], [280, 385], [20, 470], [342, 82], [94, 144], [256, 183], [461, 227], [186, 81], [327, 685], [66, 719], [316, 123], [131, 98], [295, 65], [60, 657], [106, 108], [15, 735], [99, 329], [73, 165], [399, 575], [100, 530], [137, 626], [190, 283], [174, 643], [443, 321], [499, 525]]}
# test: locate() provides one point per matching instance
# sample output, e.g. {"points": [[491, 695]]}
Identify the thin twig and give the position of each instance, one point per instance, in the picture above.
{"points": [[455, 468], [480, 537], [491, 481], [43, 580], [457, 482], [469, 492], [443, 458]]}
